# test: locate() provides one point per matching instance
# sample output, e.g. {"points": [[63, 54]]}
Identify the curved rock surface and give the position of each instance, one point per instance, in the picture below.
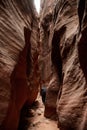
{"points": [[60, 54], [63, 37], [19, 71]]}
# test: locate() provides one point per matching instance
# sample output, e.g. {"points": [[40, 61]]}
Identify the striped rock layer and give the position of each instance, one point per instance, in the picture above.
{"points": [[19, 71], [63, 36]]}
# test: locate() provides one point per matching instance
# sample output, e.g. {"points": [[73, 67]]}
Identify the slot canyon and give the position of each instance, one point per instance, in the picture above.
{"points": [[43, 58]]}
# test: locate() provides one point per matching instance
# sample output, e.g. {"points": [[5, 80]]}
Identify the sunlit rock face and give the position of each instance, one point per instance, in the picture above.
{"points": [[19, 71], [64, 57]]}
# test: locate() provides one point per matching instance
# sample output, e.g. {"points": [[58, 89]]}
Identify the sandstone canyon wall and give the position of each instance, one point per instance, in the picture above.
{"points": [[64, 59], [48, 74], [60, 45], [19, 71]]}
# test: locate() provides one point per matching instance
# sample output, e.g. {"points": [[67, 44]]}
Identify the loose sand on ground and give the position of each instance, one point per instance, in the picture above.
{"points": [[38, 121]]}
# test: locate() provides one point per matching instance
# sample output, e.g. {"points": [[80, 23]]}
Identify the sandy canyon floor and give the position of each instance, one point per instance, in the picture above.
{"points": [[35, 119]]}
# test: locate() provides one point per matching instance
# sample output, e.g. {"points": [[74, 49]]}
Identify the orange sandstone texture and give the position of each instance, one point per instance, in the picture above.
{"points": [[64, 57], [19, 71]]}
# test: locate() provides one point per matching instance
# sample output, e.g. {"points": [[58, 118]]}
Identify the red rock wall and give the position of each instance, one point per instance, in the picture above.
{"points": [[48, 73], [19, 71], [66, 57]]}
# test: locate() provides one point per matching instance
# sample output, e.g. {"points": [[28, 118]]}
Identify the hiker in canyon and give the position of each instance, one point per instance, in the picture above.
{"points": [[43, 93]]}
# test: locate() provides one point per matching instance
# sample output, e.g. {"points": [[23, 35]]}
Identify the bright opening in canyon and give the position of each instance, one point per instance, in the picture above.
{"points": [[37, 5]]}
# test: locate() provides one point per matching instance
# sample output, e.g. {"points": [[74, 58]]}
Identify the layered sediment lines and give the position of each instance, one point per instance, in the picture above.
{"points": [[63, 27], [19, 71]]}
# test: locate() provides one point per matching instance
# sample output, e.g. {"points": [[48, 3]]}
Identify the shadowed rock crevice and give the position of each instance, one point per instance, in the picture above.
{"points": [[27, 34], [24, 114], [82, 50], [81, 10], [56, 56], [2, 3]]}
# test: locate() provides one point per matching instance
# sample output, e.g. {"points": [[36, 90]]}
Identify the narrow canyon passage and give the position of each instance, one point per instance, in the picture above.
{"points": [[43, 47], [33, 118]]}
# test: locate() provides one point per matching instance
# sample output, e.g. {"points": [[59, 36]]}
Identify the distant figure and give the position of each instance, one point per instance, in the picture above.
{"points": [[43, 94]]}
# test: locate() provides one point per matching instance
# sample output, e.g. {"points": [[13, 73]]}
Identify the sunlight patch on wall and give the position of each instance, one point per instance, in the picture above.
{"points": [[37, 5]]}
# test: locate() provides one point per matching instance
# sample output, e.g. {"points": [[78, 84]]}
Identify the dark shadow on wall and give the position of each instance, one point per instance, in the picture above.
{"points": [[81, 9], [23, 123], [82, 51], [2, 3], [28, 55], [56, 54]]}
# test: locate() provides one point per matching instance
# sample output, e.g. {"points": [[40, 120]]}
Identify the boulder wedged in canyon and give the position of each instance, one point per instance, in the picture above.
{"points": [[63, 38], [19, 70]]}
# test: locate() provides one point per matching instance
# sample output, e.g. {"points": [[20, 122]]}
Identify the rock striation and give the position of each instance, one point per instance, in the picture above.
{"points": [[48, 73], [49, 54], [63, 56], [19, 70]]}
